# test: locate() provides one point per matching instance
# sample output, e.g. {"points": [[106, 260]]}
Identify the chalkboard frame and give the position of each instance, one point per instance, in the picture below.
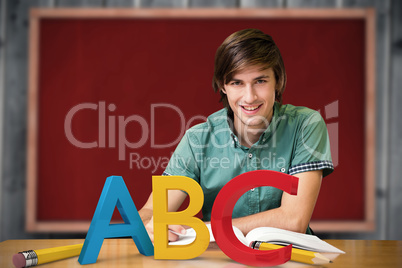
{"points": [[36, 15]]}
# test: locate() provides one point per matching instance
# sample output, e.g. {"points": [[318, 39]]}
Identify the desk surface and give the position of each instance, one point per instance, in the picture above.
{"points": [[123, 253]]}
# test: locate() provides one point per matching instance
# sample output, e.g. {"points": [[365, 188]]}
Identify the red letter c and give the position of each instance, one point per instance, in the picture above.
{"points": [[221, 217]]}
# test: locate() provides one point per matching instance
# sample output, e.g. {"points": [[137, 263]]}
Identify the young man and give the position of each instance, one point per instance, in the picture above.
{"points": [[254, 131]]}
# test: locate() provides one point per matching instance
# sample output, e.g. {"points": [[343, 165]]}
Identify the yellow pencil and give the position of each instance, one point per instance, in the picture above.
{"points": [[299, 255], [34, 257]]}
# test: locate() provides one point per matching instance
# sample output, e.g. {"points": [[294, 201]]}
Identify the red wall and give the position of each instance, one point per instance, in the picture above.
{"points": [[134, 64]]}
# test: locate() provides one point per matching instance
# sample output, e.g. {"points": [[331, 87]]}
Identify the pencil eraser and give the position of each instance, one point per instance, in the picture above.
{"points": [[19, 260]]}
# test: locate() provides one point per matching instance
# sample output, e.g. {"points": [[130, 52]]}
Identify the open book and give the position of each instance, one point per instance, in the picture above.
{"points": [[270, 235]]}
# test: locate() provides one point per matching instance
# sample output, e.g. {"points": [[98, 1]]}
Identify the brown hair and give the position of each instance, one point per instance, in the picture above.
{"points": [[245, 48]]}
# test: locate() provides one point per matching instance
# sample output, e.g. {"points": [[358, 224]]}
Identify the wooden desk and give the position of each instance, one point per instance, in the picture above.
{"points": [[123, 253]]}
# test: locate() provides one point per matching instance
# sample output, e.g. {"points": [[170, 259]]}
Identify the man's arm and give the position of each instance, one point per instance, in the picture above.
{"points": [[175, 199], [295, 211]]}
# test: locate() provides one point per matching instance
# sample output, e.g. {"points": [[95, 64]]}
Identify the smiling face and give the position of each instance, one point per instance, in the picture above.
{"points": [[248, 47], [251, 96]]}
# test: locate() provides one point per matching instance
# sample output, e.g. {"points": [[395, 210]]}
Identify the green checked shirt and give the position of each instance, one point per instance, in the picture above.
{"points": [[295, 141]]}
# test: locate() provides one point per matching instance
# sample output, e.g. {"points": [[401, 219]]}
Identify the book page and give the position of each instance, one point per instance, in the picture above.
{"points": [[284, 237], [189, 237]]}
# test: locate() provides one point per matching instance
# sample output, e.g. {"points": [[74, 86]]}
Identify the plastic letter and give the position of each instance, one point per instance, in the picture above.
{"points": [[163, 218], [221, 218], [114, 193]]}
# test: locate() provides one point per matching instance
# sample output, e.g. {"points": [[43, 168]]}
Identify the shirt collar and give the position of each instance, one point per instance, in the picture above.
{"points": [[267, 132], [272, 125]]}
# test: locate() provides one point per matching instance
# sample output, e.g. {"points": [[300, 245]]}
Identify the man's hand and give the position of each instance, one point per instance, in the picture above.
{"points": [[149, 226], [176, 198]]}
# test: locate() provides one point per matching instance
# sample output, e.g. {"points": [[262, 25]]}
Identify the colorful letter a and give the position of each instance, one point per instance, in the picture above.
{"points": [[114, 194]]}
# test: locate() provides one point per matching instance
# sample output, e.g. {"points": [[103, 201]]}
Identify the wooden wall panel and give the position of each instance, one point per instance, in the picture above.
{"points": [[2, 101], [395, 143], [262, 3], [79, 3], [163, 3], [14, 120], [213, 3], [311, 3], [121, 3]]}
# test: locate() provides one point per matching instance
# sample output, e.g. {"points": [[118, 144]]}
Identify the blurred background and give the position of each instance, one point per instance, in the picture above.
{"points": [[14, 36]]}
